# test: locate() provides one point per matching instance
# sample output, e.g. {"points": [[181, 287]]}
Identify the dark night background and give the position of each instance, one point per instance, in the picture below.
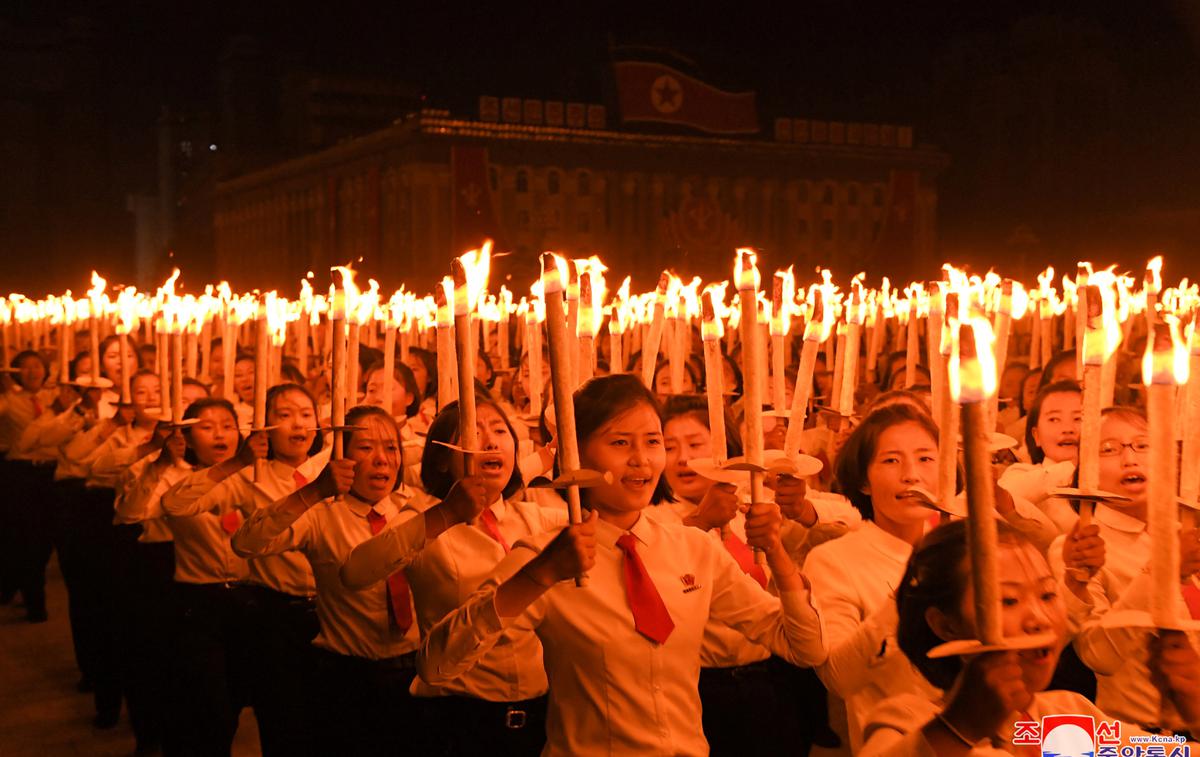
{"points": [[1071, 127]]}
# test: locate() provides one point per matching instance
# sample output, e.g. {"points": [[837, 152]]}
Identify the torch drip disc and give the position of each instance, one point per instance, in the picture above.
{"points": [[1092, 495], [1144, 620], [975, 646]]}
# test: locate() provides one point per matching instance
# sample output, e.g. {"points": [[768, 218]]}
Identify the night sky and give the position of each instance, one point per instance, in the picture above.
{"points": [[1071, 127]]}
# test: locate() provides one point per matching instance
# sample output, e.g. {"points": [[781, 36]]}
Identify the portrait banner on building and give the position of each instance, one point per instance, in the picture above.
{"points": [[472, 207], [897, 238], [657, 93]]}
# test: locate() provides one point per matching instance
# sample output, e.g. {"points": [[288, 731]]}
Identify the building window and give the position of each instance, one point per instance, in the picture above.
{"points": [[494, 178], [522, 181], [523, 220], [877, 196], [852, 195], [584, 184], [552, 183], [584, 223], [827, 195], [802, 226], [827, 230]]}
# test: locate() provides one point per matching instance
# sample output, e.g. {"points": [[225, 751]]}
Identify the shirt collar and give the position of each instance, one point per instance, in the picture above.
{"points": [[643, 530], [387, 507], [892, 546], [1118, 520]]}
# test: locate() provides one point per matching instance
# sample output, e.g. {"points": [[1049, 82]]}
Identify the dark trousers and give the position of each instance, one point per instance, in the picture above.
{"points": [[145, 576], [66, 527], [280, 630], [366, 709], [87, 550], [10, 532], [734, 698], [30, 491], [209, 669], [468, 727]]}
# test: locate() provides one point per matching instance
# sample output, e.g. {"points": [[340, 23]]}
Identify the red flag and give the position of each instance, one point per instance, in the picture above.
{"points": [[473, 210], [654, 92], [897, 238]]}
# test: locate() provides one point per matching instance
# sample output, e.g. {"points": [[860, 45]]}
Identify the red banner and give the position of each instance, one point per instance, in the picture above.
{"points": [[658, 93], [473, 211], [898, 236]]}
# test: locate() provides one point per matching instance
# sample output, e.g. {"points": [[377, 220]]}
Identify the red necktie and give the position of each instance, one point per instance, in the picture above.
{"points": [[299, 478], [492, 527], [650, 616], [1191, 596], [230, 522], [397, 584], [745, 558], [37, 406]]}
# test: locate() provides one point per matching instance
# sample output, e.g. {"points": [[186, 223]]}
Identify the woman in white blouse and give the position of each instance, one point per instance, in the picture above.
{"points": [[889, 455], [1118, 581], [623, 653], [498, 707], [988, 695], [366, 647], [208, 685], [1052, 442], [277, 599]]}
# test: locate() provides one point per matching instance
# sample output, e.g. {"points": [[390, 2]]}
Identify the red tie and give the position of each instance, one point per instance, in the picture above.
{"points": [[650, 616], [492, 527], [230, 522], [299, 478], [397, 585], [37, 406], [745, 558], [1191, 596]]}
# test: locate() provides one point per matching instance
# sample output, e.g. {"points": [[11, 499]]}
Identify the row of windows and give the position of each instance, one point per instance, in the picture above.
{"points": [[583, 184]]}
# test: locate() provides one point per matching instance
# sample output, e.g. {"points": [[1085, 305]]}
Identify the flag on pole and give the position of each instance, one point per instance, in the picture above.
{"points": [[657, 93]]}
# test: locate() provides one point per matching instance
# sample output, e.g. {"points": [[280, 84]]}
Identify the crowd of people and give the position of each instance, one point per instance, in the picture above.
{"points": [[408, 598]]}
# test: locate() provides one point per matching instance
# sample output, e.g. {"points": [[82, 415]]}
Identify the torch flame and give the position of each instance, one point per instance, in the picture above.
{"points": [[1166, 357], [555, 272], [783, 296], [1103, 335], [745, 269], [972, 367], [1153, 280]]}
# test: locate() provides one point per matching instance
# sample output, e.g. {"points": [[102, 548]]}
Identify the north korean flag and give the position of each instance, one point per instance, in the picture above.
{"points": [[657, 93]]}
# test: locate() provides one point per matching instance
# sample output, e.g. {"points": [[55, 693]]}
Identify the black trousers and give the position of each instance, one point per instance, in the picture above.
{"points": [[10, 532], [145, 576], [476, 727], [280, 630], [30, 488], [65, 532], [366, 709], [791, 699], [87, 549], [209, 669]]}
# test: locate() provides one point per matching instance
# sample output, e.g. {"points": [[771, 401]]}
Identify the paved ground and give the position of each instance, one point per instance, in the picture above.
{"points": [[41, 713]]}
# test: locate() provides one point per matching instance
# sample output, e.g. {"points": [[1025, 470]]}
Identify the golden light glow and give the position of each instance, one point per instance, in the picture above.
{"points": [[711, 328], [745, 269], [972, 367], [1103, 335], [1166, 358], [1153, 278], [783, 296]]}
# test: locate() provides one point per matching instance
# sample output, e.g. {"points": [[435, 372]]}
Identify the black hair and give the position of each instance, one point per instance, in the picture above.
{"points": [[736, 389], [108, 341], [405, 376], [73, 366], [290, 373], [603, 398], [429, 360], [859, 450], [24, 355], [273, 395], [359, 413], [435, 460], [688, 368], [1057, 359], [193, 411], [1033, 372], [937, 576], [189, 381], [697, 407], [1035, 413], [892, 362]]}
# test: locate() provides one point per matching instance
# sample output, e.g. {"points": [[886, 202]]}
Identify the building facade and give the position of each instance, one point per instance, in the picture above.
{"points": [[406, 198]]}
